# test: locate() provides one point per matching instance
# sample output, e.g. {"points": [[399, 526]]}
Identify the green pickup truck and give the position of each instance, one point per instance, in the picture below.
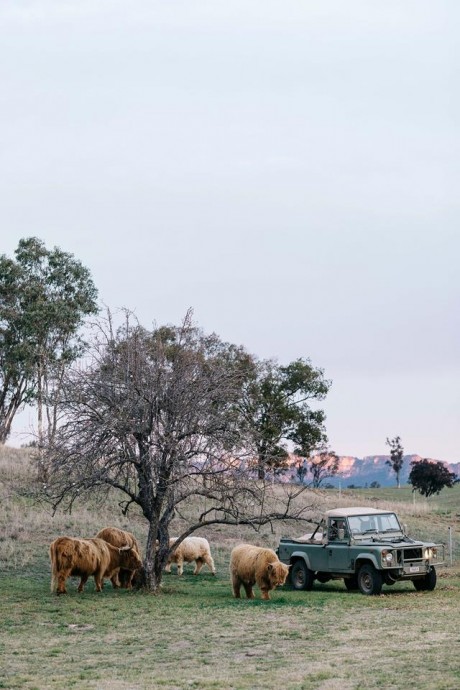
{"points": [[365, 547]]}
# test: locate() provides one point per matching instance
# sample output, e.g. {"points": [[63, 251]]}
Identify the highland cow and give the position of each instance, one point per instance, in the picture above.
{"points": [[86, 557], [250, 565], [119, 537], [191, 549]]}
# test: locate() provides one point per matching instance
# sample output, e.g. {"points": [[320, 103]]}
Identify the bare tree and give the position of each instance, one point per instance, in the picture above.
{"points": [[156, 416]]}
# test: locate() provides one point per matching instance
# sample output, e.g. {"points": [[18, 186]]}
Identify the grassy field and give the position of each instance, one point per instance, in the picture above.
{"points": [[195, 635]]}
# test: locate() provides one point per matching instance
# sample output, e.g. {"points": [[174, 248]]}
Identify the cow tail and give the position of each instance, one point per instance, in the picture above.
{"points": [[54, 566]]}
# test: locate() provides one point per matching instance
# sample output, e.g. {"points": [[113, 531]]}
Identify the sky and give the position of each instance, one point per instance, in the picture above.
{"points": [[288, 170]]}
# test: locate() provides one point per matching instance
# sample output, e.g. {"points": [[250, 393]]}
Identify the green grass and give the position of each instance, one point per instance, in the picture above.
{"points": [[195, 635]]}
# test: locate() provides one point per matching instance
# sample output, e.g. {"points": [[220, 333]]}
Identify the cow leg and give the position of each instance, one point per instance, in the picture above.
{"points": [[115, 580], [210, 563], [99, 581], [198, 565], [248, 589], [265, 594], [180, 566], [236, 584], [83, 580], [62, 577], [168, 568]]}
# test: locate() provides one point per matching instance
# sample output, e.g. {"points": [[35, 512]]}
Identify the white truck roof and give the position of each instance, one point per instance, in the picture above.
{"points": [[347, 512]]}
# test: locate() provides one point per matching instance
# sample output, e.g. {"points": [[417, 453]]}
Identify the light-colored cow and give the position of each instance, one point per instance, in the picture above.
{"points": [[191, 549], [250, 565]]}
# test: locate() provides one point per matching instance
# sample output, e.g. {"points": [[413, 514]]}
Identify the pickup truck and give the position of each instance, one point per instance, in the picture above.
{"points": [[366, 547]]}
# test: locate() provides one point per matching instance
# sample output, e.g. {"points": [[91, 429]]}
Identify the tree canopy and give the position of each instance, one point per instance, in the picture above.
{"points": [[277, 412], [396, 460], [44, 297], [157, 416], [428, 477]]}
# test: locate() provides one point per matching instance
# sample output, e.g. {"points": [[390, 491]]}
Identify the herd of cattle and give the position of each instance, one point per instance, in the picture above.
{"points": [[116, 554]]}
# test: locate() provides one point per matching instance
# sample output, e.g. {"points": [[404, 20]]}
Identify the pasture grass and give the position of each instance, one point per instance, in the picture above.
{"points": [[195, 635]]}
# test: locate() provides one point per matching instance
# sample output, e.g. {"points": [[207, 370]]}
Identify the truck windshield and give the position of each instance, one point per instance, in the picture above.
{"points": [[365, 524]]}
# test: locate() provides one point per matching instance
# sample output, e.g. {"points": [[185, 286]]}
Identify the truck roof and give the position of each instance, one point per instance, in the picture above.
{"points": [[347, 512]]}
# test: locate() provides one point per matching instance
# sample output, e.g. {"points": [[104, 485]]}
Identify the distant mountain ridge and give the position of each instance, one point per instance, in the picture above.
{"points": [[373, 468]]}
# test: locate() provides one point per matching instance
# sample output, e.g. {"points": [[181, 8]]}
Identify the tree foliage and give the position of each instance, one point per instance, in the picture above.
{"points": [[156, 415], [396, 460], [428, 477], [44, 297], [323, 466], [277, 411]]}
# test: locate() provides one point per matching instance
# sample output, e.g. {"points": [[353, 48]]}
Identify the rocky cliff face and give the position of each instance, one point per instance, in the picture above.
{"points": [[373, 468]]}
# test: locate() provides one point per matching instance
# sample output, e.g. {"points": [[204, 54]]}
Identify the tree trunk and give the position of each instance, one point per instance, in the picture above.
{"points": [[152, 572], [261, 467], [42, 474]]}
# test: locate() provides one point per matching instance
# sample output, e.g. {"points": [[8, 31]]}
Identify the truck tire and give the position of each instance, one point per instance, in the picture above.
{"points": [[427, 583], [351, 583], [369, 580], [301, 576]]}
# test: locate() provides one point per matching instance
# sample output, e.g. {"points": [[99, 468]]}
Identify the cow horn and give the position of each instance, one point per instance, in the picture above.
{"points": [[125, 548]]}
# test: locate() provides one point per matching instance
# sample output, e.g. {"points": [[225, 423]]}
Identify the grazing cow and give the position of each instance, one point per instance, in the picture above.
{"points": [[118, 537], [252, 564], [85, 557], [191, 549]]}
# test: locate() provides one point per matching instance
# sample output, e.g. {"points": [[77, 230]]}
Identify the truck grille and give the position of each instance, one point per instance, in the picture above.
{"points": [[410, 554]]}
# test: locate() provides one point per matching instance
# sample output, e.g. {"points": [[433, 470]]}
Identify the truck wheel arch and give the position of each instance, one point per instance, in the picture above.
{"points": [[364, 558], [301, 576]]}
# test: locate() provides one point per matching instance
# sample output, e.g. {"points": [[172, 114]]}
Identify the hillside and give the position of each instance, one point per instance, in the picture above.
{"points": [[361, 472]]}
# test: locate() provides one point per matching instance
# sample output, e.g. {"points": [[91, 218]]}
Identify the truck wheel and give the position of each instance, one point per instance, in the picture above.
{"points": [[427, 583], [351, 583], [369, 580], [301, 576]]}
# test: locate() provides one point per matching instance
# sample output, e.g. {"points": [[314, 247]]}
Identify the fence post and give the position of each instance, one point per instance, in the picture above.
{"points": [[450, 546]]}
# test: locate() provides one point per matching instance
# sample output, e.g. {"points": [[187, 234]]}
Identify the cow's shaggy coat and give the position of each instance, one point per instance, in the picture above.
{"points": [[119, 537], [191, 549], [250, 565], [86, 557]]}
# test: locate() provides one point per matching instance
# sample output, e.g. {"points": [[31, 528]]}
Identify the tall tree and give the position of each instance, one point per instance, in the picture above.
{"points": [[396, 460], [428, 477], [44, 297], [323, 466], [155, 416], [276, 406]]}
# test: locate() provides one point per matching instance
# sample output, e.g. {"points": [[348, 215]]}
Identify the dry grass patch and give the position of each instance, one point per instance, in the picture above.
{"points": [[195, 635]]}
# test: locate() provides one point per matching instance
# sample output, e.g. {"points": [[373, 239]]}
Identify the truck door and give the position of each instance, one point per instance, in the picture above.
{"points": [[338, 549]]}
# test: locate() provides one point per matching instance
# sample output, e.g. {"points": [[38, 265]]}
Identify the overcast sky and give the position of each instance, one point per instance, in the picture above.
{"points": [[288, 169]]}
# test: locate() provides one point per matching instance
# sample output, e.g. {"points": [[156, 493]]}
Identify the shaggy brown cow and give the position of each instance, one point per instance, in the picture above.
{"points": [[252, 564], [85, 557], [119, 537], [191, 549]]}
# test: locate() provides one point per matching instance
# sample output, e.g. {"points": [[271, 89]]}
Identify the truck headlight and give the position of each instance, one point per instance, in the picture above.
{"points": [[430, 553], [387, 557]]}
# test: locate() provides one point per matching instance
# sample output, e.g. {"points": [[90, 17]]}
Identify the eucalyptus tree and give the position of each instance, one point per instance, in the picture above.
{"points": [[155, 415], [276, 407], [44, 297], [396, 460], [323, 465]]}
